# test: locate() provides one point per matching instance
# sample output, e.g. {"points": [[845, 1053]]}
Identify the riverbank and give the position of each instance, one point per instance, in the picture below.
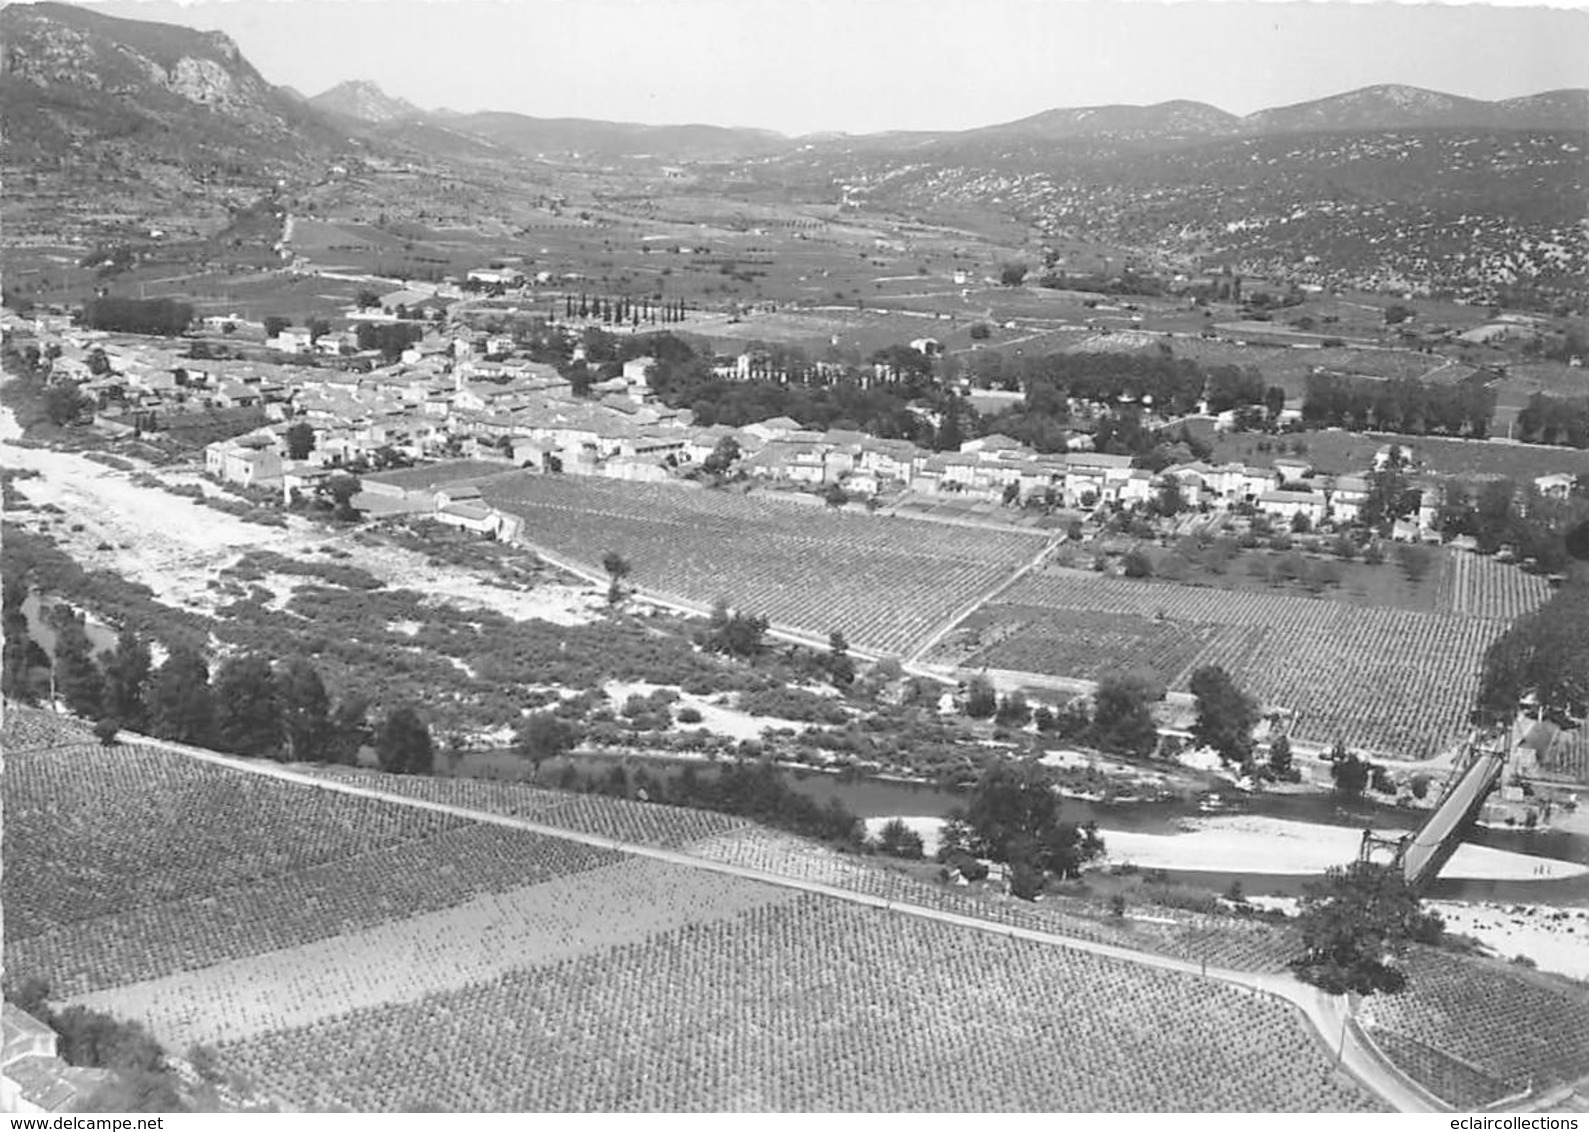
{"points": [[1264, 846], [1553, 939], [1279, 847]]}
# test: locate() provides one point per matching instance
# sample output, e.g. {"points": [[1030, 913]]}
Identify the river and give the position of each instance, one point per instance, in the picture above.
{"points": [[874, 797]]}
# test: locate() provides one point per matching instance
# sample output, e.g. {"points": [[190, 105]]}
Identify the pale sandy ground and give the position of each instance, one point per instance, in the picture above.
{"points": [[719, 720], [1274, 846], [1556, 939], [1081, 760], [176, 548]]}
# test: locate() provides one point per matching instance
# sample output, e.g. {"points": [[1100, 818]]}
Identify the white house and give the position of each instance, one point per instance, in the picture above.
{"points": [[248, 460], [1348, 498], [1556, 485], [1287, 505]]}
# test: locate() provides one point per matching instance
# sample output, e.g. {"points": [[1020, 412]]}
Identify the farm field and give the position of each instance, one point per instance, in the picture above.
{"points": [[885, 583], [148, 827], [1391, 681], [635, 822], [1337, 452], [1240, 944], [1476, 1032], [814, 1005], [415, 942], [478, 966]]}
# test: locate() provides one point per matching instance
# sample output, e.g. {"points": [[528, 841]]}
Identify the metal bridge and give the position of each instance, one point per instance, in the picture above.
{"points": [[1419, 856]]}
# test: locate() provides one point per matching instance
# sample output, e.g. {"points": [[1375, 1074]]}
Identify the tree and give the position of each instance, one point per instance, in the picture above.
{"points": [[980, 331], [342, 488], [1280, 760], [1136, 563], [1123, 711], [1349, 773], [1415, 561], [1545, 655], [1013, 711], [1356, 924], [1171, 499], [734, 634], [318, 328], [898, 840], [126, 674], [1225, 714], [723, 457], [542, 736], [17, 663], [981, 699], [63, 402], [1012, 808], [403, 744], [300, 440], [1012, 274], [305, 711], [950, 435], [841, 669], [105, 731], [180, 704], [835, 495], [350, 729], [275, 324], [78, 679], [248, 716], [617, 568], [368, 300]]}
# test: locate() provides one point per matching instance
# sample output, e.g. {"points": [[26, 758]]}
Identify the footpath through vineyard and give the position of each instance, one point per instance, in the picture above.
{"points": [[1334, 1030]]}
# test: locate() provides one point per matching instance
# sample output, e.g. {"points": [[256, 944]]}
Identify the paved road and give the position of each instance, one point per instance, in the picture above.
{"points": [[1330, 1016]]}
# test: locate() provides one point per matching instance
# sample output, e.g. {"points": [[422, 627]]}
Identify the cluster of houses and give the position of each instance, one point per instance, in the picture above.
{"points": [[461, 394]]}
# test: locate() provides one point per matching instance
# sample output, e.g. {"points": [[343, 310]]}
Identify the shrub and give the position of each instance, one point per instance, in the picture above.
{"points": [[689, 715]]}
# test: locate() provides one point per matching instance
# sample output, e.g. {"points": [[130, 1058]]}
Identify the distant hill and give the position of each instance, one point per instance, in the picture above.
{"points": [[363, 100], [588, 138], [1394, 107], [79, 84], [1165, 121]]}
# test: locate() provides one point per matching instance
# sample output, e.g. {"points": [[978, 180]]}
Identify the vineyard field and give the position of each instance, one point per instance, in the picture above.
{"points": [[1476, 585], [639, 823], [886, 583], [431, 875], [409, 957], [92, 831], [814, 1005], [1389, 681], [1505, 1028], [1241, 944]]}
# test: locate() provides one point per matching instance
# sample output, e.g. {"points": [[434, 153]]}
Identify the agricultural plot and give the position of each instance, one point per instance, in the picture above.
{"points": [[1386, 680], [92, 832], [886, 583], [641, 823], [407, 957], [1476, 585], [1474, 1031], [814, 1005], [471, 864], [1239, 944]]}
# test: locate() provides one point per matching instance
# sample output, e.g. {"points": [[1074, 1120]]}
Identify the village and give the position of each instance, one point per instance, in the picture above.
{"points": [[323, 402]]}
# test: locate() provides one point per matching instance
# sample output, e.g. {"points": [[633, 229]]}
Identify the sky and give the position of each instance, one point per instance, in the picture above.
{"points": [[803, 66]]}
